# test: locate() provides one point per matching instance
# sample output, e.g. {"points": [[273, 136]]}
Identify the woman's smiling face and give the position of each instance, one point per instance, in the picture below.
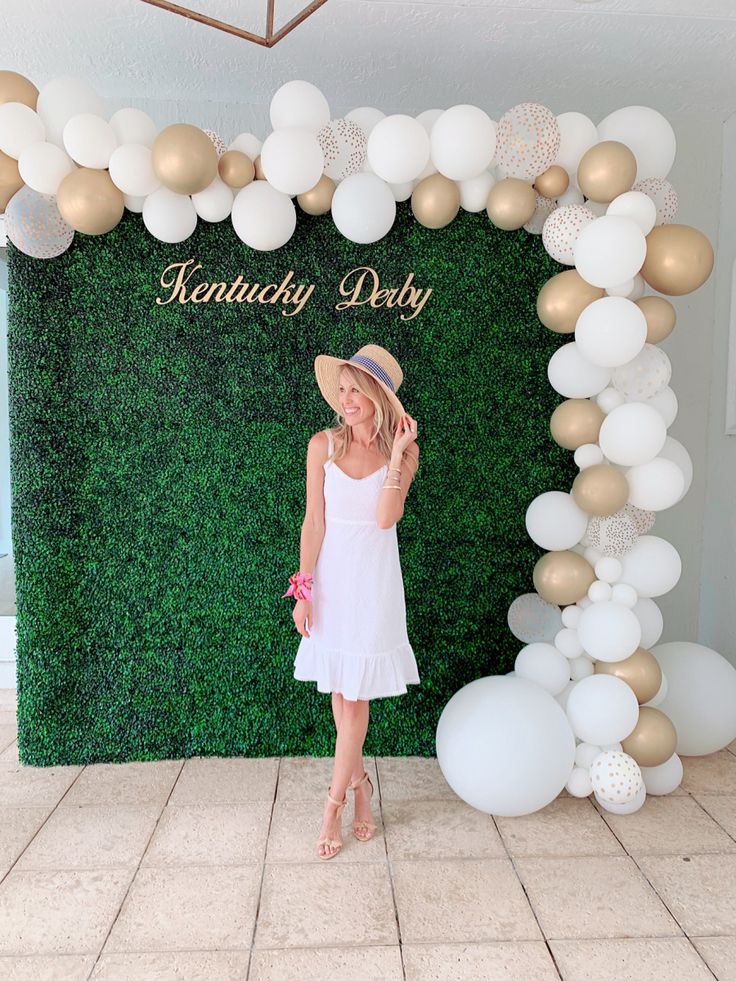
{"points": [[355, 406]]}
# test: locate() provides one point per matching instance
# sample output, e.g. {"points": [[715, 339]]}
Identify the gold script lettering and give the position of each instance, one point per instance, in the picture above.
{"points": [[362, 285]]}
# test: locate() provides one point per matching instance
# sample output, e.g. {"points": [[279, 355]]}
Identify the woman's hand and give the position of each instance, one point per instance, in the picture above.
{"points": [[303, 611], [402, 439]]}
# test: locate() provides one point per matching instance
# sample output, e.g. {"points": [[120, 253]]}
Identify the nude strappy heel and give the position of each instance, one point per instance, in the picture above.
{"points": [[335, 843], [363, 830]]}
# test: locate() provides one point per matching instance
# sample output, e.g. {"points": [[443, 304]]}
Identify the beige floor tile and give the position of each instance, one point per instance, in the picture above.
{"points": [[209, 834], [184, 965], [8, 717], [327, 964], [439, 829], [700, 890], [713, 774], [197, 908], [10, 754], [719, 953], [517, 960], [308, 777], [59, 912], [91, 838], [461, 901], [226, 780], [646, 959], [124, 783], [335, 903], [35, 786], [62, 967], [295, 828], [587, 896], [8, 735], [566, 826], [732, 746], [8, 697], [722, 808], [669, 826], [413, 778], [19, 825]]}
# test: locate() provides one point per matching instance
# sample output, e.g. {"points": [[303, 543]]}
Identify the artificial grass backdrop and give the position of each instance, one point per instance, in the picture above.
{"points": [[158, 462]]}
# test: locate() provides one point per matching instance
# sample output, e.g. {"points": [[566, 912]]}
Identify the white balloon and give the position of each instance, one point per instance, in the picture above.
{"points": [[653, 566], [571, 196], [665, 778], [463, 142], [292, 160], [633, 433], [639, 288], [544, 665], [616, 777], [609, 250], [215, 202], [585, 753], [531, 619], [428, 118], [611, 331], [248, 144], [599, 592], [647, 134], [635, 205], [661, 692], [628, 807], [168, 216], [701, 696], [579, 784], [263, 217], [43, 166], [301, 104], [514, 733], [650, 617], [623, 289], [20, 127], [609, 631], [602, 709], [645, 376], [554, 521], [363, 208], [474, 191], [562, 698], [134, 203], [625, 595], [131, 169], [666, 405], [573, 376], [578, 134], [398, 148], [133, 126], [89, 140], [402, 192], [609, 399], [588, 455], [366, 117], [597, 207], [567, 641], [675, 451], [62, 98], [571, 617], [581, 667], [656, 485], [608, 569]]}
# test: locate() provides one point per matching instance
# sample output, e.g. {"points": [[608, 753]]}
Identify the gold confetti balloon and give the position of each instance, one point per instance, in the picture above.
{"points": [[34, 225], [615, 776]]}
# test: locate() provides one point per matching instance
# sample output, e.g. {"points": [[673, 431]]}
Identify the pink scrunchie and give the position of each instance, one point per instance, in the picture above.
{"points": [[301, 583]]}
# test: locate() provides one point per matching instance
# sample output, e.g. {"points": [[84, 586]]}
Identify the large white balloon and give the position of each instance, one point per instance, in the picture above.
{"points": [[263, 217], [301, 104], [131, 169], [602, 709], [133, 126], [554, 521], [653, 566], [398, 148], [610, 250], [168, 216], [611, 331], [20, 127], [665, 778], [675, 451], [650, 617], [89, 140], [665, 402], [647, 134], [701, 696], [573, 376], [609, 631], [62, 98], [633, 433], [544, 665], [363, 208], [530, 618], [215, 202], [463, 142], [292, 160], [505, 746], [656, 485], [43, 166]]}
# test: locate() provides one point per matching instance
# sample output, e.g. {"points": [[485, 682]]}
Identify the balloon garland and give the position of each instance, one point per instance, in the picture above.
{"points": [[592, 705]]}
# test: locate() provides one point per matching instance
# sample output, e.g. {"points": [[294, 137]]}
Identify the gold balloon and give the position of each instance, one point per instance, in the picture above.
{"points": [[653, 740], [640, 671], [235, 168], [511, 203], [260, 176], [435, 201], [553, 182], [318, 200], [600, 490], [575, 422], [184, 158], [89, 201], [10, 179], [660, 316], [606, 170], [562, 577], [679, 259], [563, 298], [17, 88]]}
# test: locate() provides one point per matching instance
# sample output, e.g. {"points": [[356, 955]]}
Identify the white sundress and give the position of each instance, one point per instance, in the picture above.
{"points": [[358, 644]]}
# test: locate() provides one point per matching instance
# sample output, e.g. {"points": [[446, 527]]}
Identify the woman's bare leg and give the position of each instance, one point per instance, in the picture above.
{"points": [[337, 715], [351, 732]]}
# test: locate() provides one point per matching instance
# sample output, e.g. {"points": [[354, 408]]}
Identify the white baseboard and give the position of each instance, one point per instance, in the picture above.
{"points": [[7, 652]]}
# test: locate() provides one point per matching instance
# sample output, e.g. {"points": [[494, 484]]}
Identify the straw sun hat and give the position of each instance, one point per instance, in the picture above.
{"points": [[373, 360]]}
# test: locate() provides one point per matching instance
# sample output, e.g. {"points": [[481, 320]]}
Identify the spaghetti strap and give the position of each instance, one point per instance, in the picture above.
{"points": [[329, 442]]}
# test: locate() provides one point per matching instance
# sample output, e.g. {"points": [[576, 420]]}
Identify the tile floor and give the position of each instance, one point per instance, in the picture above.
{"points": [[206, 870]]}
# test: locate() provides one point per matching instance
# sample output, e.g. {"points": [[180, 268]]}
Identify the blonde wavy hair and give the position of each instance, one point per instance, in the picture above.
{"points": [[385, 418]]}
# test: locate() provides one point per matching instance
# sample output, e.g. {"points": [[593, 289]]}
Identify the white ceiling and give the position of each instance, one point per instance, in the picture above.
{"points": [[399, 55]]}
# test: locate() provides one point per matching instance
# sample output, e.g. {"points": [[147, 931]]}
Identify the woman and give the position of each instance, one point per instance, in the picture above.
{"points": [[352, 615]]}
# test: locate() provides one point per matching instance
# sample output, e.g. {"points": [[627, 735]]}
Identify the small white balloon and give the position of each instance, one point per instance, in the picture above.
{"points": [[637, 206], [263, 217], [581, 667], [573, 376], [43, 166], [571, 616], [609, 631], [474, 191], [585, 753], [402, 192], [616, 777], [599, 592], [578, 784], [675, 451], [650, 617], [592, 555], [366, 117], [611, 331], [131, 169], [602, 709], [544, 665], [463, 142], [215, 202], [608, 569], [665, 402], [134, 203], [578, 134], [89, 140], [632, 434], [248, 144], [609, 399], [571, 196], [665, 778], [623, 289], [609, 250], [554, 521], [20, 127], [133, 126], [653, 566], [301, 104], [292, 160], [568, 643], [363, 208], [398, 148], [588, 455], [624, 594], [168, 216]]}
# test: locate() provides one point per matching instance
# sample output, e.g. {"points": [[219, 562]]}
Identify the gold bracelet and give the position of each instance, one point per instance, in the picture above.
{"points": [[390, 487]]}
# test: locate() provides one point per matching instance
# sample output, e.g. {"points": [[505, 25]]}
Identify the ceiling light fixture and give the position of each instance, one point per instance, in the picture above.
{"points": [[266, 40]]}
